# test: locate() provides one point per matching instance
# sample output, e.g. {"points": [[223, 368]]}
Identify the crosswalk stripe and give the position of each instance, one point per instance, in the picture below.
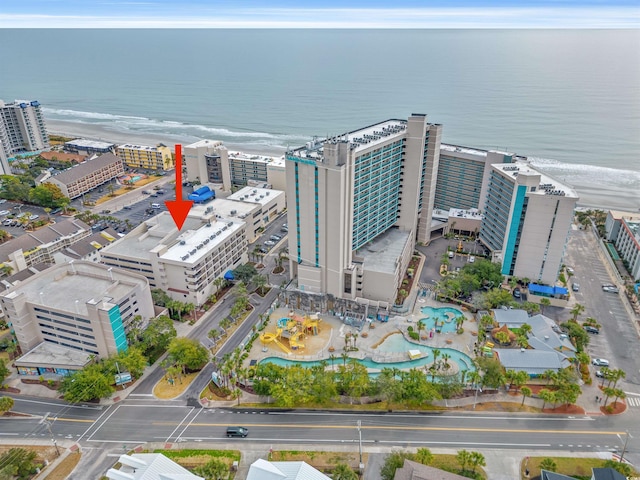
{"points": [[633, 402]]}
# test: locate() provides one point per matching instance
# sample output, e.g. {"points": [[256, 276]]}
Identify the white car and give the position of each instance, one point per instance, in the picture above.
{"points": [[610, 289], [4, 212], [472, 259], [600, 362]]}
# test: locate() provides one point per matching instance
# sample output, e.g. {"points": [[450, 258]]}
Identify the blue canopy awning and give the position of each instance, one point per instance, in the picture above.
{"points": [[229, 275], [546, 290]]}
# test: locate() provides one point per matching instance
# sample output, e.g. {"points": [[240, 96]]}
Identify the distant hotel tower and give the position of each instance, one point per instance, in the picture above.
{"points": [[22, 128], [357, 203]]}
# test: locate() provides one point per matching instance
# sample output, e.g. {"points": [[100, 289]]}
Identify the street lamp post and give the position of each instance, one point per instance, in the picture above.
{"points": [[47, 423]]}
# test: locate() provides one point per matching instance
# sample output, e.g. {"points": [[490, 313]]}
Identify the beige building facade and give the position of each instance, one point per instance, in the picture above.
{"points": [[354, 203], [146, 157]]}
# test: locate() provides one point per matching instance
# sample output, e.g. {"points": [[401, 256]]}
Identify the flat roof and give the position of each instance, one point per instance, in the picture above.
{"points": [[142, 147], [224, 207], [204, 143], [361, 139], [275, 161], [459, 149], [50, 354], [80, 281], [192, 245], [382, 253], [255, 195], [548, 185], [85, 142], [472, 213]]}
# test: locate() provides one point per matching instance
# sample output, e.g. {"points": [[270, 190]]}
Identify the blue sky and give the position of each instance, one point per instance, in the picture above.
{"points": [[320, 14]]}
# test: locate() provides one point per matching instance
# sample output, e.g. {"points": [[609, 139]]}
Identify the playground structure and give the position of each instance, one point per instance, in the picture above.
{"points": [[293, 329]]}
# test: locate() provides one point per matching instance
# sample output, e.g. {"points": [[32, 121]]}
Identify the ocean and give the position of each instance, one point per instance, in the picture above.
{"points": [[569, 100]]}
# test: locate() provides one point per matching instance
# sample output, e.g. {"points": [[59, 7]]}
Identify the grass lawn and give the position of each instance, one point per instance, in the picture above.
{"points": [[323, 461], [166, 391], [572, 466], [65, 467], [191, 459], [450, 464]]}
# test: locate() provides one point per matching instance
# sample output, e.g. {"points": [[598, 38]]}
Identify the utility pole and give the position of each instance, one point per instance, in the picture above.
{"points": [[624, 448], [360, 465], [48, 425]]}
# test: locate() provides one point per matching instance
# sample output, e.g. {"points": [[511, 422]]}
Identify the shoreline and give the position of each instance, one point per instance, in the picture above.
{"points": [[602, 197]]}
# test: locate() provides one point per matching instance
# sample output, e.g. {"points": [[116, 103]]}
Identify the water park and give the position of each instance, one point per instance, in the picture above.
{"points": [[131, 178], [292, 337]]}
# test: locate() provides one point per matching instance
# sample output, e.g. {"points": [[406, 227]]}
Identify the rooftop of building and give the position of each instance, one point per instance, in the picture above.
{"points": [[43, 236], [382, 253], [194, 244], [255, 195], [619, 215], [460, 149], [530, 361], [86, 168], [360, 139], [149, 466], [53, 355], [86, 143], [92, 243], [62, 156], [80, 281], [472, 213], [204, 143], [275, 161], [225, 208], [547, 185], [196, 238], [634, 226], [148, 148]]}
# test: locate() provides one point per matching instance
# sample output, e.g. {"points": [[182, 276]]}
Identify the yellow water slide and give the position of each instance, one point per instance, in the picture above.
{"points": [[267, 338]]}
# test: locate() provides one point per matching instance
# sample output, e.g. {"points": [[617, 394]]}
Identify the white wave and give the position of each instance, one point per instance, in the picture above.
{"points": [[582, 173], [144, 124]]}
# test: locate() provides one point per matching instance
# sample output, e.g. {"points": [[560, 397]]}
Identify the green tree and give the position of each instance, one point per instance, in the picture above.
{"points": [[526, 392], [343, 472], [492, 368], [215, 469], [4, 371], [188, 353], [463, 457], [6, 404], [132, 361], [496, 297], [245, 273], [547, 396], [392, 462], [424, 456], [620, 467], [18, 462], [260, 281], [577, 310], [90, 383], [577, 334], [548, 464], [544, 302], [47, 195], [156, 337], [476, 460]]}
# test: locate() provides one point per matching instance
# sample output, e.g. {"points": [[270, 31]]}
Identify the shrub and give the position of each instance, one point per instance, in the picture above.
{"points": [[414, 335]]}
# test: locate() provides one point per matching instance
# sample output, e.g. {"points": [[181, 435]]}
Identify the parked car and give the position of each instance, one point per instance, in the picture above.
{"points": [[473, 259], [600, 362], [4, 212], [575, 287], [599, 373], [275, 238], [146, 192], [610, 289], [127, 207], [263, 250], [516, 292], [591, 329], [570, 270], [270, 243]]}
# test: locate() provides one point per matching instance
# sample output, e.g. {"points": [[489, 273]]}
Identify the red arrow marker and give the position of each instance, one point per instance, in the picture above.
{"points": [[179, 208]]}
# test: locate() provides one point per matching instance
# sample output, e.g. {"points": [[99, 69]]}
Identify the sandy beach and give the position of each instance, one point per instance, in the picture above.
{"points": [[113, 135]]}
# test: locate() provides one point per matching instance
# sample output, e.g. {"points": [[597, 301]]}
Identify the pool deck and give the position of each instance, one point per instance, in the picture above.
{"points": [[333, 332]]}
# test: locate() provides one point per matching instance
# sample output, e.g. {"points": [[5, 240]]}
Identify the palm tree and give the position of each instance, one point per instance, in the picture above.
{"points": [[609, 392], [544, 302], [343, 472], [618, 374], [526, 392], [547, 396], [445, 361], [618, 393], [424, 456], [548, 464], [477, 460], [344, 356], [577, 310], [463, 457]]}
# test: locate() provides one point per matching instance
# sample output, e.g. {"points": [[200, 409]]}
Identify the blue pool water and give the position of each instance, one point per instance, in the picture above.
{"points": [[440, 314], [394, 343]]}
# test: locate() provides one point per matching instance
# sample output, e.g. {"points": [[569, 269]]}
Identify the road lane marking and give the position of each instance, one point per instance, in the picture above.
{"points": [[402, 427], [435, 416], [61, 405], [99, 426], [178, 426]]}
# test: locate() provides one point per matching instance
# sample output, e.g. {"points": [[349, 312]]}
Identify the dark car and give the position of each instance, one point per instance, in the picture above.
{"points": [[590, 329], [237, 432], [516, 293]]}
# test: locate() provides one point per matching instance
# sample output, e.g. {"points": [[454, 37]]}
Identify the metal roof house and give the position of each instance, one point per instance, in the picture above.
{"points": [[264, 470], [149, 466]]}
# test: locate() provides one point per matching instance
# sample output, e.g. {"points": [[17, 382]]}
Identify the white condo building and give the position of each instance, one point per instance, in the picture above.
{"points": [[356, 205], [184, 263], [527, 217], [22, 128]]}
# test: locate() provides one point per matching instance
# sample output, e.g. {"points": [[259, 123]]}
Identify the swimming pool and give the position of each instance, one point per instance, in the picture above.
{"points": [[445, 315], [393, 343]]}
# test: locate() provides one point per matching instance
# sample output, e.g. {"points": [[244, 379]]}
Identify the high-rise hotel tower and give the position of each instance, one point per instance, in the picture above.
{"points": [[357, 203]]}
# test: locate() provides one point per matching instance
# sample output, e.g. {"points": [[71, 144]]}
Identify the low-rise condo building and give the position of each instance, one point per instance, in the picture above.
{"points": [[184, 263], [88, 147], [80, 179], [146, 157], [78, 306]]}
